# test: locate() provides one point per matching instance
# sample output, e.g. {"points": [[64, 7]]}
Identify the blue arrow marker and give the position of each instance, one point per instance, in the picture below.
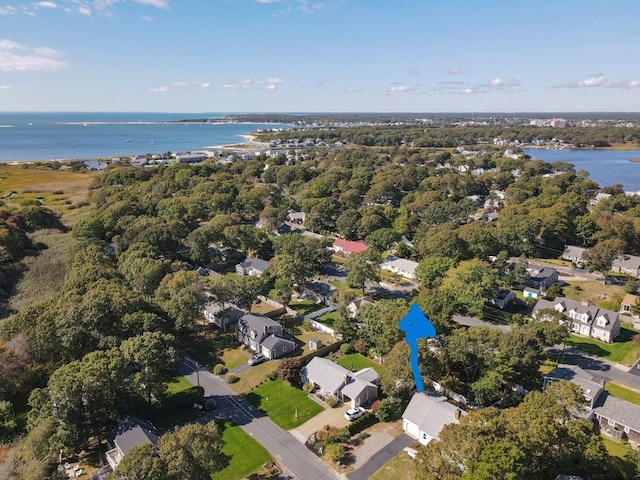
{"points": [[416, 325]]}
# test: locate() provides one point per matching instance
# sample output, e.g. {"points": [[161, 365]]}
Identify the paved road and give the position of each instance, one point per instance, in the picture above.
{"points": [[282, 446], [594, 365], [380, 458]]}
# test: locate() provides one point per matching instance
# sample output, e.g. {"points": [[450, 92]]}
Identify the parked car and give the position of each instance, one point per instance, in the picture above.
{"points": [[257, 359], [354, 413]]}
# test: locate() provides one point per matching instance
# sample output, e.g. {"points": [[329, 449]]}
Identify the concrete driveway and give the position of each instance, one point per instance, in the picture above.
{"points": [[330, 416]]}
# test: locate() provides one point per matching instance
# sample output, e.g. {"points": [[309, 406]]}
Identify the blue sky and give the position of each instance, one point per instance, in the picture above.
{"points": [[320, 56]]}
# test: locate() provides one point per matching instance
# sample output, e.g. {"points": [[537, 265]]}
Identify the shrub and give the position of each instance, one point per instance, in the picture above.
{"points": [[336, 452], [331, 401], [362, 423], [289, 370], [186, 398], [272, 375], [389, 409], [308, 387], [231, 378], [219, 369], [346, 348], [361, 347]]}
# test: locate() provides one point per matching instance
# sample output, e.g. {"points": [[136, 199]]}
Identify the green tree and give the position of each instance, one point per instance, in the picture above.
{"points": [[289, 369], [362, 267], [600, 257], [431, 271], [181, 295], [193, 452]]}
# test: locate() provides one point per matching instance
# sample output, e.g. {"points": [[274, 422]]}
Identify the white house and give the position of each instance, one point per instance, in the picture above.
{"points": [[401, 266], [329, 378], [252, 266], [427, 414], [130, 433], [586, 319]]}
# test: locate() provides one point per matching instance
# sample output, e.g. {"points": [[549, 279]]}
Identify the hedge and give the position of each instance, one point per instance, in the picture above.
{"points": [[362, 423]]}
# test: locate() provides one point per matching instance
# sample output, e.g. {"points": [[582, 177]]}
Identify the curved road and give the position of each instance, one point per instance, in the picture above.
{"points": [[282, 446]]}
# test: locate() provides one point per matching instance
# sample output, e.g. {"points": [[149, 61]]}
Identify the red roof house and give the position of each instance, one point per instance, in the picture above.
{"points": [[346, 247]]}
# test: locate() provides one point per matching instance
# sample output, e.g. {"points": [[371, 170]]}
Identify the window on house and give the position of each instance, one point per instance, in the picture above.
{"points": [[284, 349], [626, 430], [424, 436], [612, 423]]}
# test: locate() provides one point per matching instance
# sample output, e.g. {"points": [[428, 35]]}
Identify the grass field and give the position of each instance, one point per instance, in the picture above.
{"points": [[254, 376], [176, 383], [621, 351], [58, 189], [357, 361], [623, 393], [247, 455], [281, 402], [305, 307], [401, 467], [595, 292]]}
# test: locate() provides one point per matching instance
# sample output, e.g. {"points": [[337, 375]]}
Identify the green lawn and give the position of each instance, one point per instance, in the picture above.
{"points": [[401, 467], [176, 383], [305, 307], [357, 361], [623, 350], [247, 455], [327, 319], [615, 449], [280, 402], [623, 393]]}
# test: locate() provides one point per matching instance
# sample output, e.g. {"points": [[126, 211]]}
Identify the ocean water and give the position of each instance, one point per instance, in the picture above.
{"points": [[607, 167], [75, 135]]}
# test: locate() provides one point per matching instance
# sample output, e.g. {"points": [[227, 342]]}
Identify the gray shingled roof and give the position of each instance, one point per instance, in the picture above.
{"points": [[327, 374], [624, 413], [273, 342], [132, 432], [431, 412]]}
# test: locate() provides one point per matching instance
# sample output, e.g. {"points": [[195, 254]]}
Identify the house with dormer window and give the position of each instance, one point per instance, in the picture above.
{"points": [[586, 319]]}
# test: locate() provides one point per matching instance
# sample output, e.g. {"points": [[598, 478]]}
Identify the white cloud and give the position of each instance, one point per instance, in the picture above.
{"points": [[353, 90], [5, 87], [625, 84], [206, 85], [155, 3], [496, 82], [146, 18], [272, 86], [230, 85], [161, 89], [8, 10], [455, 71], [86, 11], [597, 80], [468, 91], [19, 58], [45, 5], [274, 80], [401, 88]]}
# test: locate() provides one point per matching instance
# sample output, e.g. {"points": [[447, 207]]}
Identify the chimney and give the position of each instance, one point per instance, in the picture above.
{"points": [[457, 414], [264, 331], [347, 378], [585, 303]]}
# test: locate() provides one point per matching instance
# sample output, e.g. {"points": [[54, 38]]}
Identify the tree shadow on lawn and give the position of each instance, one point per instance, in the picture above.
{"points": [[207, 348]]}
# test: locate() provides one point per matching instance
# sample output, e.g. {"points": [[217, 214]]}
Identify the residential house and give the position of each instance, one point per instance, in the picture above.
{"points": [[574, 254], [264, 335], [130, 433], [427, 414], [626, 309], [222, 316], [529, 292], [296, 217], [503, 298], [252, 266], [618, 419], [586, 319], [627, 264], [401, 266], [598, 198], [329, 378], [355, 306], [347, 247], [543, 279], [592, 387]]}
